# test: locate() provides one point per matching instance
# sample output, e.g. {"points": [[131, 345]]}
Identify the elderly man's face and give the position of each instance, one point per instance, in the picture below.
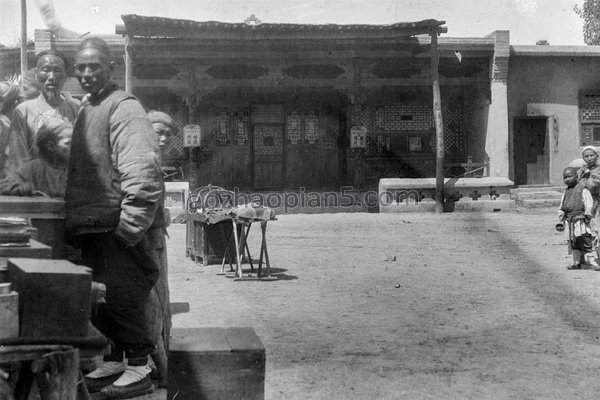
{"points": [[92, 69], [164, 133], [51, 73]]}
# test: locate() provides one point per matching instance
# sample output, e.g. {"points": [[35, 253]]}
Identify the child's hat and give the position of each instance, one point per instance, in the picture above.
{"points": [[159, 116], [8, 91]]}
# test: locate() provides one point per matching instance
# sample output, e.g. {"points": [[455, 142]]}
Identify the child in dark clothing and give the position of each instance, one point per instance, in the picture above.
{"points": [[576, 210], [46, 175]]}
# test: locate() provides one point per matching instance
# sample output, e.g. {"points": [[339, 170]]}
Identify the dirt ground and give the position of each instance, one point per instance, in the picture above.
{"points": [[409, 306]]}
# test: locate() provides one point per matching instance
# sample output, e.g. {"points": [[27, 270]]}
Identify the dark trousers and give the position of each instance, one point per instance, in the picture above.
{"points": [[129, 274]]}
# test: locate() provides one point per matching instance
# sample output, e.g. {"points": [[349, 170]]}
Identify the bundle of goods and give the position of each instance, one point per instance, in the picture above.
{"points": [[15, 231]]}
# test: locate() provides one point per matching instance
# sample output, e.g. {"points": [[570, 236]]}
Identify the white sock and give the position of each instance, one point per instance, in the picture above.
{"points": [[107, 368], [132, 374]]}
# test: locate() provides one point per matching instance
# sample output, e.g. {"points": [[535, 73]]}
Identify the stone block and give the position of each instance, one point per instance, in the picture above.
{"points": [[216, 364]]}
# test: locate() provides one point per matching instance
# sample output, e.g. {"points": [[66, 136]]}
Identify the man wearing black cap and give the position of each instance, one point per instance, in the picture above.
{"points": [[51, 105], [114, 207]]}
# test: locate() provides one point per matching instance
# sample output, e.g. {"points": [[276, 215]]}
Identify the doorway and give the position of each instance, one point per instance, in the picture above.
{"points": [[530, 151], [267, 151]]}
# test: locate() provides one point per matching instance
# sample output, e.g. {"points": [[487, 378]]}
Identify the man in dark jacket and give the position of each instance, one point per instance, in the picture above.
{"points": [[114, 203]]}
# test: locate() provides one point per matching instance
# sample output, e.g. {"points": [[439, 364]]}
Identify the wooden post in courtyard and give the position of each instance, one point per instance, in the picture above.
{"points": [[193, 153], [128, 66], [23, 37], [439, 124]]}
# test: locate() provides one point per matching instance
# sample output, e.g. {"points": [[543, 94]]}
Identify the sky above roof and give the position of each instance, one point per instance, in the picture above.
{"points": [[527, 20]]}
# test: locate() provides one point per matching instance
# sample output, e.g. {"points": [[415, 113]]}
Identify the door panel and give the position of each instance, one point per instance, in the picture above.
{"points": [[267, 149], [530, 151]]}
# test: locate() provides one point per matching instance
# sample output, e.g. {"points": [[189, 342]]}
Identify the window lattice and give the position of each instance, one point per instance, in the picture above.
{"points": [[454, 139], [294, 128], [590, 107], [240, 127], [222, 134], [175, 147], [311, 127]]}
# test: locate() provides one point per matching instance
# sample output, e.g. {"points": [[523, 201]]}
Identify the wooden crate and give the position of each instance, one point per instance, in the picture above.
{"points": [[9, 315], [54, 296], [216, 364], [206, 243]]}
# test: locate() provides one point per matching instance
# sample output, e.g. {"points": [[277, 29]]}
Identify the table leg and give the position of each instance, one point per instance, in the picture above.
{"points": [[226, 251], [238, 271], [247, 248], [263, 227]]}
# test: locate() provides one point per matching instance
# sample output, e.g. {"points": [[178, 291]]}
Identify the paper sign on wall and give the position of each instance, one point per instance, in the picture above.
{"points": [[358, 137], [191, 136]]}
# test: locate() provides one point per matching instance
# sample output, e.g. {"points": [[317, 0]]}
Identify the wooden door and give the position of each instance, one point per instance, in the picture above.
{"points": [[267, 150], [530, 151]]}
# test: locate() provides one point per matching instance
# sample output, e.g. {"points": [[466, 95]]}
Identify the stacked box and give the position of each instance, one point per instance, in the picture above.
{"points": [[46, 215], [54, 297], [216, 364]]}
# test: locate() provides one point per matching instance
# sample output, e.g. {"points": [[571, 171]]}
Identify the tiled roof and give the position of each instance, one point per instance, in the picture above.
{"points": [[142, 26]]}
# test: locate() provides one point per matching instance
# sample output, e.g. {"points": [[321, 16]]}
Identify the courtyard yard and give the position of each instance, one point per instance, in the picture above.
{"points": [[409, 306]]}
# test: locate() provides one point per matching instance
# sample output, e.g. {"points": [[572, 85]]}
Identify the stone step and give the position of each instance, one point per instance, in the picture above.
{"points": [[525, 189], [538, 203], [537, 195]]}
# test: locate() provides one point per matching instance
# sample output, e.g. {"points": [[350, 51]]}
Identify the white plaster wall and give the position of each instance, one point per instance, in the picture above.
{"points": [[496, 145], [547, 86], [566, 149]]}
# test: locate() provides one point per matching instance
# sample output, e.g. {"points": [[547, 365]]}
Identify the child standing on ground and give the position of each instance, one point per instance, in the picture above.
{"points": [[576, 208], [46, 175]]}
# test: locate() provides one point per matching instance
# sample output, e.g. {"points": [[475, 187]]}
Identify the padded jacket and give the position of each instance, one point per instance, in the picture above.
{"points": [[114, 178]]}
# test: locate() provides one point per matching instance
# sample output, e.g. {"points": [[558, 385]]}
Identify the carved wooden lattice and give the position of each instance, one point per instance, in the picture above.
{"points": [[240, 127], [223, 130], [175, 147], [268, 140], [454, 140], [311, 127], [294, 128]]}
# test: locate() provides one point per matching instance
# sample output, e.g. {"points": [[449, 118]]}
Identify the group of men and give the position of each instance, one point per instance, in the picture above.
{"points": [[114, 202]]}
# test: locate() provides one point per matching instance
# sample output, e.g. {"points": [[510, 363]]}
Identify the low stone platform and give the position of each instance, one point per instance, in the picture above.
{"points": [[461, 194]]}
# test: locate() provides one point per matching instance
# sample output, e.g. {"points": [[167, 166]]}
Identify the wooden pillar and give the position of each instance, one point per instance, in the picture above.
{"points": [[23, 37], [193, 152], [356, 111], [439, 124], [128, 66]]}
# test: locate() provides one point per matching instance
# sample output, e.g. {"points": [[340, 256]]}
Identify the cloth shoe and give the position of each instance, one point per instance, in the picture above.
{"points": [[104, 375], [591, 261], [134, 389], [574, 266]]}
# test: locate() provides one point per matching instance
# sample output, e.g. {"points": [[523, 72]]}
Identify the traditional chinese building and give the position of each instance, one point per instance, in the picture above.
{"points": [[276, 102]]}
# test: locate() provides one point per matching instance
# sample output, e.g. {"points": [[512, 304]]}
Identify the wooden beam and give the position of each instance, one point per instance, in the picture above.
{"points": [[337, 83], [439, 126]]}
